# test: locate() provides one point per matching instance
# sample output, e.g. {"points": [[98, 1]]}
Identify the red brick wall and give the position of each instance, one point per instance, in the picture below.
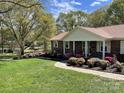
{"points": [[59, 49], [70, 50], [115, 47]]}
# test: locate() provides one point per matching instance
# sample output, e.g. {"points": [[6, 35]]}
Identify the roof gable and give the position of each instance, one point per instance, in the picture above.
{"points": [[80, 34]]}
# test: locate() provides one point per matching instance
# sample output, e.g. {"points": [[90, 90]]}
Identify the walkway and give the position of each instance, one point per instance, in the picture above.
{"points": [[99, 73]]}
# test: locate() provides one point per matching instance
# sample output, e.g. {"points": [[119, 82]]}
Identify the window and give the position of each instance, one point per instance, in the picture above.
{"points": [[67, 45], [55, 44], [101, 47], [105, 49]]}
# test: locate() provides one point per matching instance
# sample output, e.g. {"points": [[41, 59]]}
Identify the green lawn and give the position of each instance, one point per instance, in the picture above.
{"points": [[40, 76]]}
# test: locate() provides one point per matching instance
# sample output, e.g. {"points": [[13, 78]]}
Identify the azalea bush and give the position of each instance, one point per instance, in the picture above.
{"points": [[92, 62], [76, 61]]}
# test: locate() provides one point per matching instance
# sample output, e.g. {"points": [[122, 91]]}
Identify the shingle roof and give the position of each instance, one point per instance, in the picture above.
{"points": [[98, 32], [59, 36], [115, 31], [108, 32]]}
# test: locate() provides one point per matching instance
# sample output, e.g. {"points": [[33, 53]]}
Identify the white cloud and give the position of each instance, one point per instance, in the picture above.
{"points": [[75, 3], [95, 3], [63, 6], [98, 2]]}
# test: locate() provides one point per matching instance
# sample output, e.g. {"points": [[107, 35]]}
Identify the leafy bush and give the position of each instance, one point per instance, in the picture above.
{"points": [[103, 64], [119, 66], [92, 62], [109, 58], [72, 61], [76, 61], [122, 71], [80, 61]]}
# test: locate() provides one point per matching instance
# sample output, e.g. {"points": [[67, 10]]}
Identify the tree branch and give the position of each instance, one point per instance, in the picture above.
{"points": [[16, 3]]}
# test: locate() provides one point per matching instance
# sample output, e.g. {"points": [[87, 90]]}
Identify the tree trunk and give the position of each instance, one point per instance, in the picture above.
{"points": [[2, 42], [45, 46], [21, 51]]}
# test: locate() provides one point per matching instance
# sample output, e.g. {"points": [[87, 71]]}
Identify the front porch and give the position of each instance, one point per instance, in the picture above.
{"points": [[86, 48]]}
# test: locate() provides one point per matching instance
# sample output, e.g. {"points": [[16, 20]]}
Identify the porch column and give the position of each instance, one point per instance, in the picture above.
{"points": [[63, 47], [103, 50], [86, 48], [73, 47]]}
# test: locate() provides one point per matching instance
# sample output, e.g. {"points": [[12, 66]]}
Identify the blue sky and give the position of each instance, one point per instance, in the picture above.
{"points": [[88, 6]]}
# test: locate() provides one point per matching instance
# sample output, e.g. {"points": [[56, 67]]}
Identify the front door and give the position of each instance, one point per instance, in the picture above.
{"points": [[78, 47], [92, 46]]}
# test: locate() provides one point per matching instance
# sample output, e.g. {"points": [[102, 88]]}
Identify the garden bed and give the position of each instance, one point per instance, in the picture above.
{"points": [[97, 65]]}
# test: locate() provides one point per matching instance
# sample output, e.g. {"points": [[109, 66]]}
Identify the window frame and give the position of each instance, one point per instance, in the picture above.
{"points": [[55, 44], [67, 43], [101, 47]]}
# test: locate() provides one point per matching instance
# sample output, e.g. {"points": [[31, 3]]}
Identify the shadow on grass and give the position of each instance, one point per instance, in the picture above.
{"points": [[53, 59]]}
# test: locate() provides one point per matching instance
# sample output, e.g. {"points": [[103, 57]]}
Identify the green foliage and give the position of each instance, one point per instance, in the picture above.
{"points": [[116, 12], [76, 61], [92, 62], [97, 18], [103, 64], [71, 20], [72, 61], [29, 24], [112, 14], [80, 61]]}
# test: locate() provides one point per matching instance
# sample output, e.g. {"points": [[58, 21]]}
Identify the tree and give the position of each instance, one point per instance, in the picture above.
{"points": [[26, 25], [116, 12], [49, 30], [71, 20], [97, 18], [6, 39]]}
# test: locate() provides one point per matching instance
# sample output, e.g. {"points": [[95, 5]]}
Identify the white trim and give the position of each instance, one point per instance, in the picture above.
{"points": [[63, 47], [86, 48], [107, 46], [55, 44], [83, 48], [68, 45], [103, 51], [73, 47], [121, 47]]}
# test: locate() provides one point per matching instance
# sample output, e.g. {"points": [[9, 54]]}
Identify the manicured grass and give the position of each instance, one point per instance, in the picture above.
{"points": [[40, 76]]}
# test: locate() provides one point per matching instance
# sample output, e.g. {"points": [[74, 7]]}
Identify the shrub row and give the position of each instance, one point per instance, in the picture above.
{"points": [[96, 62]]}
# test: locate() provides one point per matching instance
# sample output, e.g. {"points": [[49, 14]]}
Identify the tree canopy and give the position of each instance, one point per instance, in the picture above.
{"points": [[71, 20], [28, 24], [112, 14]]}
